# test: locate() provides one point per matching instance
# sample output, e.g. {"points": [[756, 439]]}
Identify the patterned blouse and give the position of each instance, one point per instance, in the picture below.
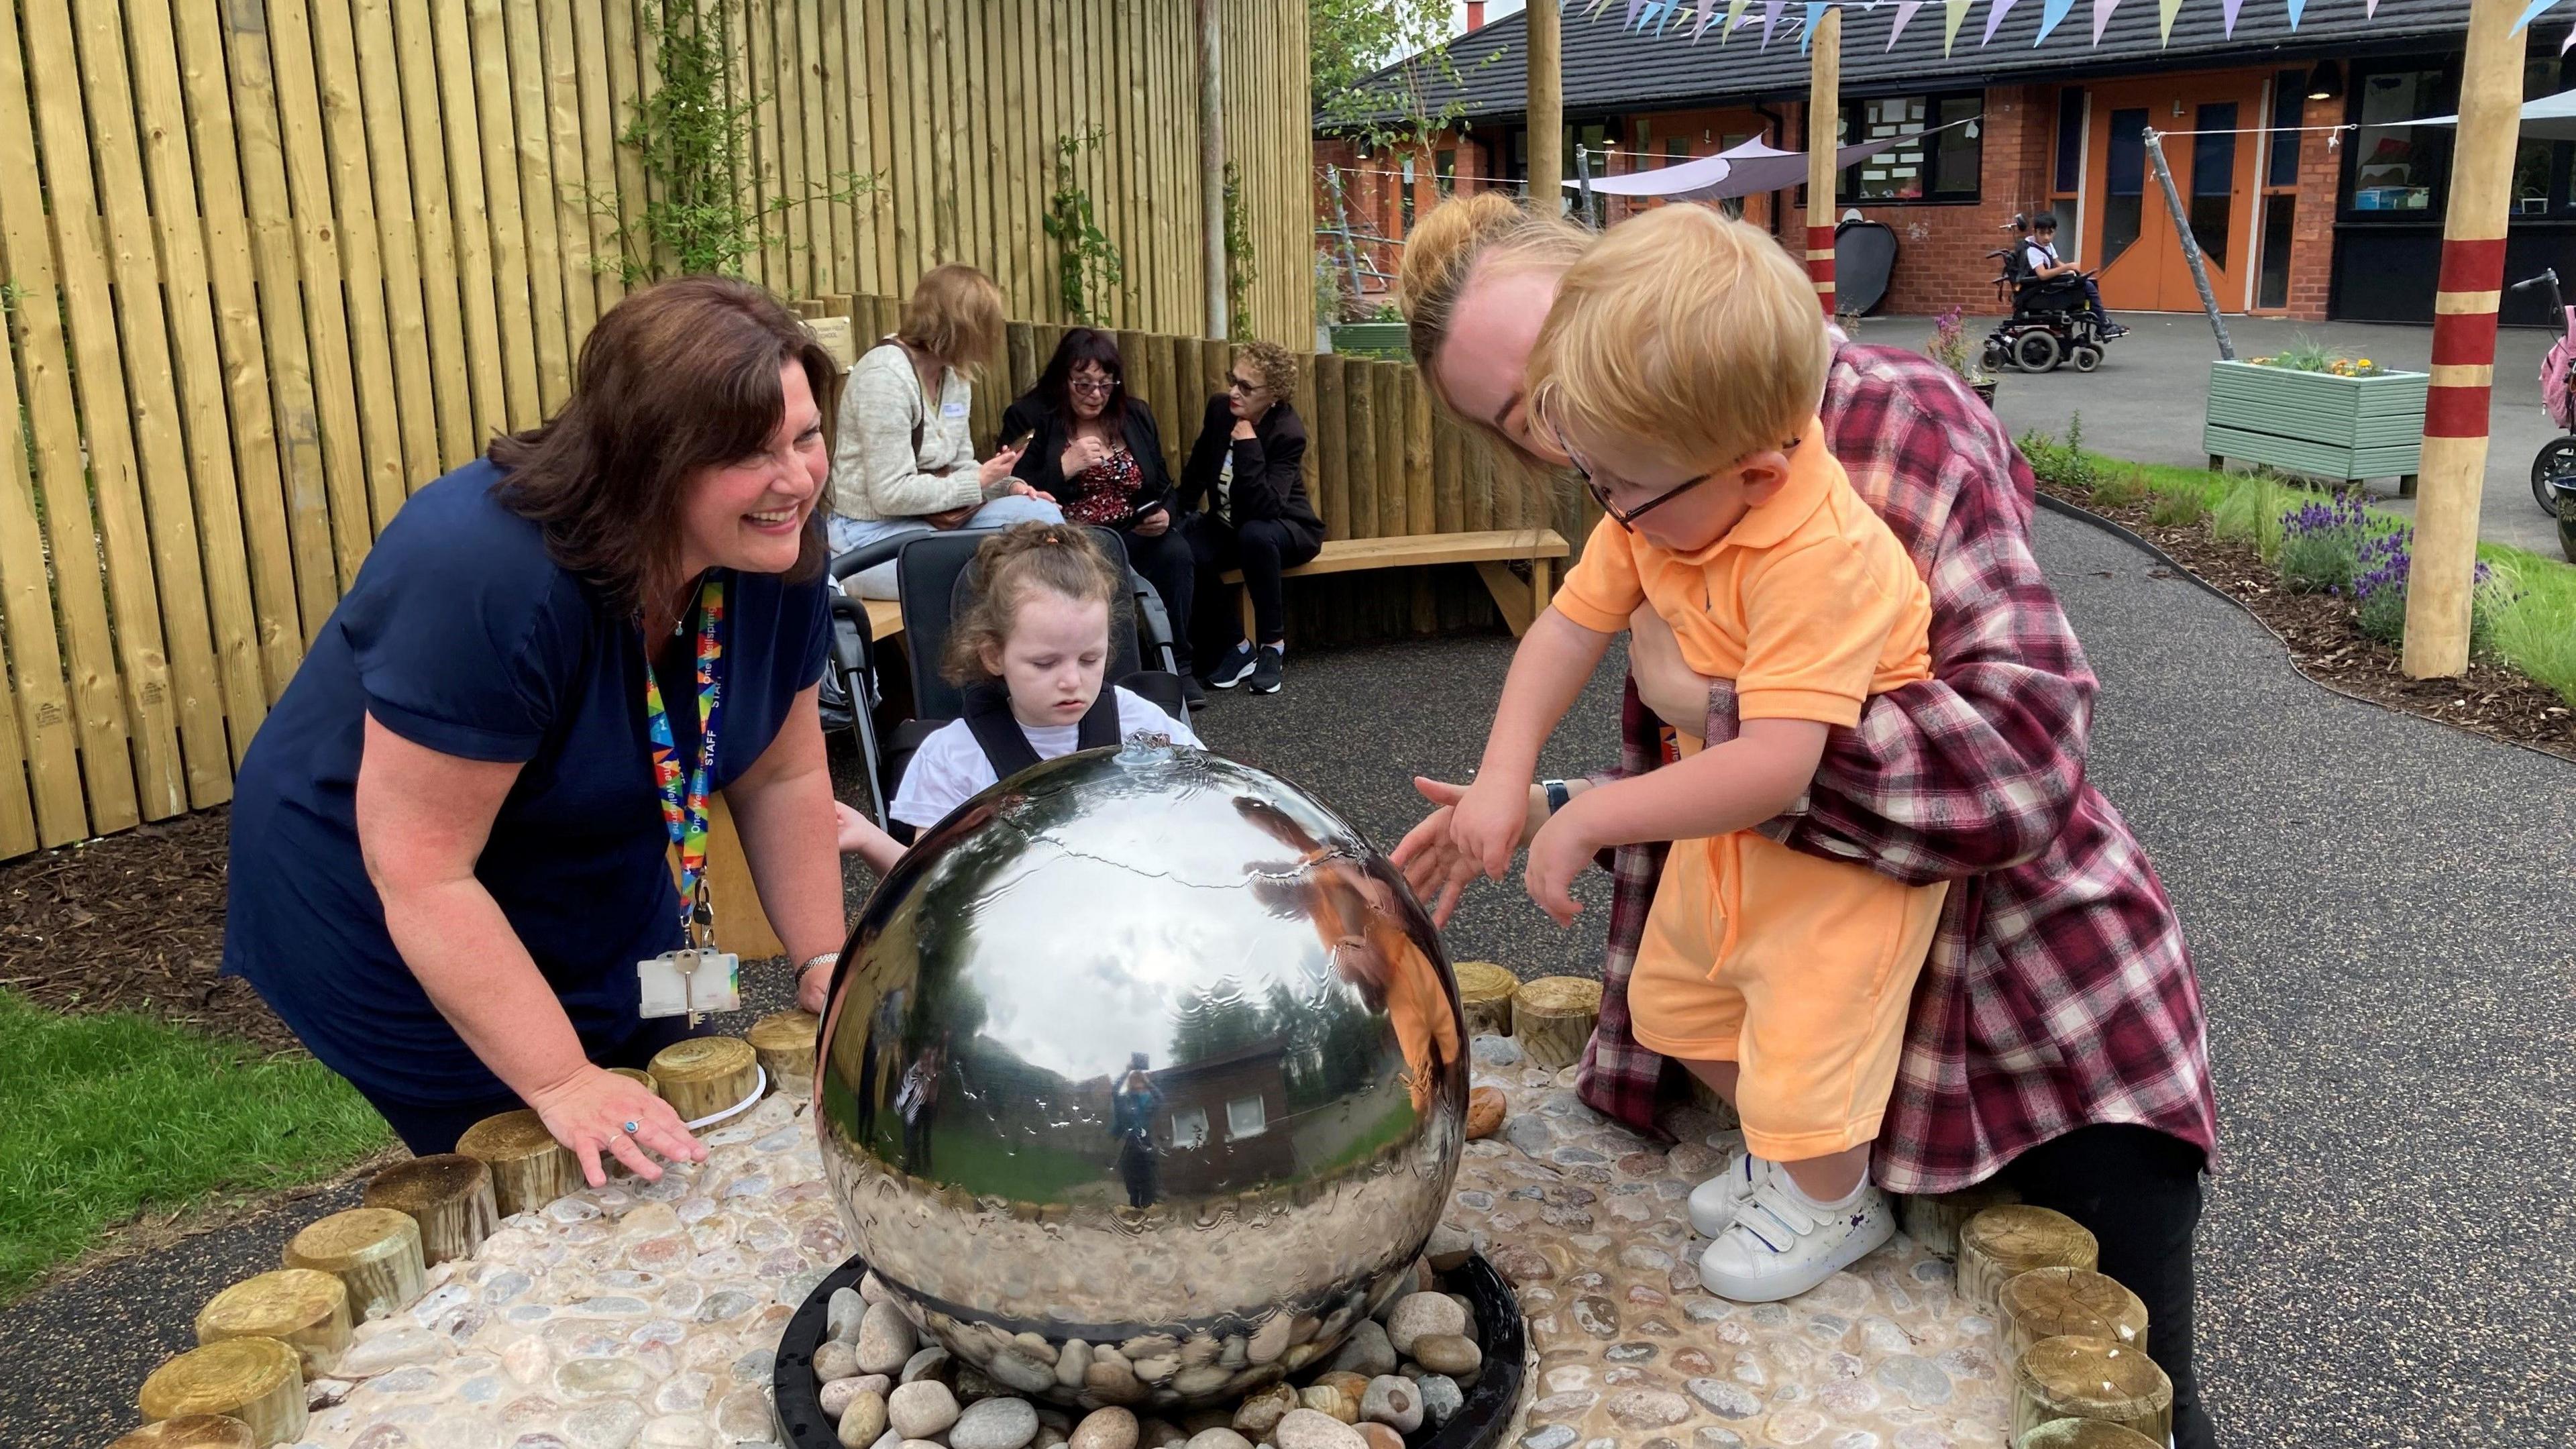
{"points": [[1105, 493]]}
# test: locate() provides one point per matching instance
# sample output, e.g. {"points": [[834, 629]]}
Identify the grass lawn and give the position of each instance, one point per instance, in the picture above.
{"points": [[2535, 609], [103, 1117]]}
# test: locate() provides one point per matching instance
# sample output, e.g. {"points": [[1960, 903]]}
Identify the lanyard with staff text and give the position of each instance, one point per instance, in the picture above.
{"points": [[684, 810]]}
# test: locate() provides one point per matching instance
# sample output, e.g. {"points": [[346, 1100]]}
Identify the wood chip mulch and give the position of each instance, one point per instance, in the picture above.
{"points": [[132, 922], [2329, 648]]}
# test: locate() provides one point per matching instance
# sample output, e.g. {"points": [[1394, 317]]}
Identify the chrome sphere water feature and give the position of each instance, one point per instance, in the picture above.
{"points": [[1143, 1080]]}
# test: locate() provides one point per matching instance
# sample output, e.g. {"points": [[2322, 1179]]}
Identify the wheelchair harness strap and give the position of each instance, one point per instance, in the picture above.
{"points": [[1006, 746]]}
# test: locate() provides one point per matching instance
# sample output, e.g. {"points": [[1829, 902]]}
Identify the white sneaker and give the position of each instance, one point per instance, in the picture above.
{"points": [[1714, 1203], [1781, 1245]]}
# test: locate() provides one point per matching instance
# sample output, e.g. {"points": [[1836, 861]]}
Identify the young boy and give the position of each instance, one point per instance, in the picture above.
{"points": [[1680, 372]]}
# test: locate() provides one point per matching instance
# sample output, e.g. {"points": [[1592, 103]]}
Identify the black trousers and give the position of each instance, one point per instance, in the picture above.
{"points": [[1166, 561], [1263, 548], [431, 1127], [2138, 1191]]}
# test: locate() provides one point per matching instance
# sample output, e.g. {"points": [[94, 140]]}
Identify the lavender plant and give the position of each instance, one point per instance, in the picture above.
{"points": [[2321, 544], [2379, 592]]}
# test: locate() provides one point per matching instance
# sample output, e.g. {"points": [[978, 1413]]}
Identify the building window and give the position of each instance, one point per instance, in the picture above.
{"points": [[2289, 103], [2540, 167], [1445, 168], [2395, 166], [1189, 1129], [1245, 1117], [1938, 167], [2070, 139], [2213, 178], [1676, 149], [2124, 191], [2280, 211]]}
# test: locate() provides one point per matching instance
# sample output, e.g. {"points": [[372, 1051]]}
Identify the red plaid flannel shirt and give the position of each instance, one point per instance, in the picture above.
{"points": [[2059, 991]]}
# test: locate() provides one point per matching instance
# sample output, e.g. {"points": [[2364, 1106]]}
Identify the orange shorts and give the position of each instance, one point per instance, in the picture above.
{"points": [[1797, 969]]}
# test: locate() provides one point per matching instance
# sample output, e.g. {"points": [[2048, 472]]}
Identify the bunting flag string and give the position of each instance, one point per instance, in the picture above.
{"points": [[1696, 17]]}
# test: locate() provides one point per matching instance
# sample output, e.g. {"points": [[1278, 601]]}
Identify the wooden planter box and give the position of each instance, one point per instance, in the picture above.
{"points": [[2316, 423], [1371, 339]]}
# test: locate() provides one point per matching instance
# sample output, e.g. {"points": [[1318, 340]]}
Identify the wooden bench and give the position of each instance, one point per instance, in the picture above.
{"points": [[1492, 553]]}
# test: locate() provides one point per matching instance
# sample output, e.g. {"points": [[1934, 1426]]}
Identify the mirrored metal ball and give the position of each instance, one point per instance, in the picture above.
{"points": [[1143, 1080]]}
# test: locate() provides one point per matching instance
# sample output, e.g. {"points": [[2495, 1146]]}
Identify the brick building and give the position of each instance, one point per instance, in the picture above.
{"points": [[2310, 195]]}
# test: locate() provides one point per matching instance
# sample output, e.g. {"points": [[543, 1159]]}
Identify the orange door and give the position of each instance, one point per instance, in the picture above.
{"points": [[2129, 231]]}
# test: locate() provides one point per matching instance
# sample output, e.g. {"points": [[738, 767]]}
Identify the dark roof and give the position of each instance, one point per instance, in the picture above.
{"points": [[1609, 70]]}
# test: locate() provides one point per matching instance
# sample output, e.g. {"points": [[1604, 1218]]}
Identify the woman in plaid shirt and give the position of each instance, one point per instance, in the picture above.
{"points": [[2056, 1040]]}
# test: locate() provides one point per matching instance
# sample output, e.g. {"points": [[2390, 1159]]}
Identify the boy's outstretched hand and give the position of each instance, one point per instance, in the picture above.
{"points": [[1489, 822], [1559, 853]]}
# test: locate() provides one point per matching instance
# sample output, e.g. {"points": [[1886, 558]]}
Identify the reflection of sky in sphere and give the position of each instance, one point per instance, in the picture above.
{"points": [[1085, 957]]}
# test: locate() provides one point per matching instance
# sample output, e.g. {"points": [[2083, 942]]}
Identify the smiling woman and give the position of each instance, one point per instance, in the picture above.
{"points": [[448, 859]]}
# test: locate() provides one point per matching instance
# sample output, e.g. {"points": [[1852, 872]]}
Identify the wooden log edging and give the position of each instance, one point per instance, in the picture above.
{"points": [[304, 1309], [2091, 1378], [784, 1041], [1485, 993], [705, 1075], [529, 1167], [2059, 1302], [191, 1431], [258, 1381], [1552, 1019], [1934, 1222], [449, 1195], [2002, 1243], [373, 1251]]}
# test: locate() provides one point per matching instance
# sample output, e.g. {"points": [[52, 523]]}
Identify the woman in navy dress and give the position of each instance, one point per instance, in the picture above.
{"points": [[448, 841]]}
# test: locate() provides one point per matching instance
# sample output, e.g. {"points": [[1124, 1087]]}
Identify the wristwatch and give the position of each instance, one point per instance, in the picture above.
{"points": [[1557, 794]]}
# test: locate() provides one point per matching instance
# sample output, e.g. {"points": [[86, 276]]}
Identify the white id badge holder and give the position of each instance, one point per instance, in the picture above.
{"points": [[696, 980]]}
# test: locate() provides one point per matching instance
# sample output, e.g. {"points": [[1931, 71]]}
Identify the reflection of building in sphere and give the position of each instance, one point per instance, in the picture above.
{"points": [[1144, 1049]]}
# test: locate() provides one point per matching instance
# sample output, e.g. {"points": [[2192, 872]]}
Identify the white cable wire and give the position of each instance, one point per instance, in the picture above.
{"points": [[759, 1084]]}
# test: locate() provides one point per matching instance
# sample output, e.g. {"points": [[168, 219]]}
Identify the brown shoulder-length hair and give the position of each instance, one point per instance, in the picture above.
{"points": [[955, 315], [679, 377]]}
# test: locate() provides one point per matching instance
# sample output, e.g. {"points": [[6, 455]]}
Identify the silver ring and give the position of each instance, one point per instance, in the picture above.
{"points": [[630, 1128]]}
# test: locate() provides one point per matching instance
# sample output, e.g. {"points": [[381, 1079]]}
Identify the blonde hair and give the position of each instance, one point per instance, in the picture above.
{"points": [[1457, 239], [1061, 557], [955, 315], [1277, 366], [1687, 330]]}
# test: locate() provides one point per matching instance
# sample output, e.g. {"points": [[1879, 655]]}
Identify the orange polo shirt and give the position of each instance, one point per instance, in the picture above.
{"points": [[1809, 604]]}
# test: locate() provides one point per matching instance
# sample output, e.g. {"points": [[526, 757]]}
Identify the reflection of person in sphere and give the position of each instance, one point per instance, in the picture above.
{"points": [[916, 1102], [1361, 921], [881, 1029], [1132, 1110]]}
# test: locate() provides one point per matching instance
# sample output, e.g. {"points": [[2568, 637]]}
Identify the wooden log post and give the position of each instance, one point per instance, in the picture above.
{"points": [[306, 1310], [2452, 477], [1824, 145], [1330, 452], [374, 1252], [258, 1381], [529, 1167], [1934, 1222], [1211, 51], [1485, 993], [1552, 1018], [705, 1075], [638, 1076], [448, 1194], [2091, 1378], [784, 1041], [1546, 108], [2085, 1434], [191, 1431], [2001, 1243], [2057, 1302]]}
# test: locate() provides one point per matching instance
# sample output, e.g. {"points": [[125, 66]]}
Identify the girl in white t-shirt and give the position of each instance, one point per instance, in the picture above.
{"points": [[1031, 651]]}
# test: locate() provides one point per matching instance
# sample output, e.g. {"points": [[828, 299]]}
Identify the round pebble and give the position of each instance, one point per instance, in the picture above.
{"points": [[1109, 1428], [886, 1340], [921, 1409], [1394, 1402], [1306, 1429], [834, 1359], [1379, 1436], [995, 1424], [863, 1419], [1441, 1398], [1420, 1314], [1219, 1438], [1447, 1353], [841, 1318]]}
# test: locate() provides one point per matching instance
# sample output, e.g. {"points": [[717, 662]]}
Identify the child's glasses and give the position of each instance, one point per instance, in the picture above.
{"points": [[1627, 517]]}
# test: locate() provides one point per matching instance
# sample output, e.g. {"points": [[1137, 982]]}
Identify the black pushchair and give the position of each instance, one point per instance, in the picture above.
{"points": [[2052, 320], [931, 585]]}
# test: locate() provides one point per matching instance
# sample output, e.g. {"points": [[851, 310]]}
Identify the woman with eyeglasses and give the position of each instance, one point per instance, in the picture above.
{"points": [[2055, 1044], [1248, 468], [1097, 452]]}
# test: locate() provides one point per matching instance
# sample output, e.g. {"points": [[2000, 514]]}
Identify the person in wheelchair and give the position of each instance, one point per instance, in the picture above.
{"points": [[2039, 266], [1031, 651]]}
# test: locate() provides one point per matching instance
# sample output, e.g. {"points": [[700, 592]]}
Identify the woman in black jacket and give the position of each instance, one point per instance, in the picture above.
{"points": [[1096, 451], [1248, 465]]}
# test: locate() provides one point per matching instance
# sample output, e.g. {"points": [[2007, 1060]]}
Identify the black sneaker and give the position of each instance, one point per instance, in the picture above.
{"points": [[1231, 668], [1191, 695], [1266, 671]]}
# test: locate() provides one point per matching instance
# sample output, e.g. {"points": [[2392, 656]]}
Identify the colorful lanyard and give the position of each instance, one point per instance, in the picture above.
{"points": [[685, 815]]}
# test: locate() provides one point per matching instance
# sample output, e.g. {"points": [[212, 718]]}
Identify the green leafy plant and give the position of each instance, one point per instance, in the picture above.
{"points": [[1379, 105], [1087, 263], [2062, 464], [2118, 488], [1240, 273], [2250, 511], [2309, 355], [694, 138], [1950, 348], [2176, 510], [2321, 544]]}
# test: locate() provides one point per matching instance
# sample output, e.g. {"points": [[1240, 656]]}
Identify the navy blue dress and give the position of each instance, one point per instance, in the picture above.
{"points": [[462, 635]]}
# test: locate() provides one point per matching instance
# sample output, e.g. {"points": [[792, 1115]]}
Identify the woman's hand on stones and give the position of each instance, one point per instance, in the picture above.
{"points": [[588, 1113]]}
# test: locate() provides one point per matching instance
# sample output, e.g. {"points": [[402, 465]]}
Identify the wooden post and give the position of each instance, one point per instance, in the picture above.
{"points": [[2002, 1243], [1485, 993], [704, 1075], [2453, 473], [1934, 1222], [374, 1252], [1212, 160], [255, 1380], [1824, 143], [529, 1167], [2054, 1302], [305, 1310], [2085, 1434], [2091, 1378], [448, 1194], [1546, 109], [1552, 1018], [784, 1041], [192, 1431], [639, 1077], [2190, 245]]}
